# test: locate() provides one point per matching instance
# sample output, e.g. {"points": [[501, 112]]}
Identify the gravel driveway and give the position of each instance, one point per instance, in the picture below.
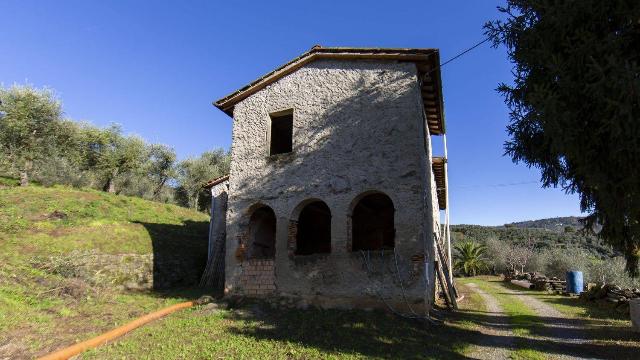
{"points": [[498, 339], [549, 331]]}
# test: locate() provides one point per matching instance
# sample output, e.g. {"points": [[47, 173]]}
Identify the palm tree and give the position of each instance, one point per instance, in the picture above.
{"points": [[470, 258]]}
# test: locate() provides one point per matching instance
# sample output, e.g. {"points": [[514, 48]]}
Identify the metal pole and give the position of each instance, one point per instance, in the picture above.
{"points": [[446, 211]]}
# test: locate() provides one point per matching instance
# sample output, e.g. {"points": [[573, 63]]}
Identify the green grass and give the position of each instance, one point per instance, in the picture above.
{"points": [[575, 307], [90, 214], [41, 310], [256, 331], [607, 326], [472, 304], [6, 181]]}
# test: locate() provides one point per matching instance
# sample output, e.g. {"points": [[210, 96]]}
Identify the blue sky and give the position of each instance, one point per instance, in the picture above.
{"points": [[155, 67]]}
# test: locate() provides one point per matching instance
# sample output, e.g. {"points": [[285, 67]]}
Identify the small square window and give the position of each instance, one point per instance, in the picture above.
{"points": [[281, 134]]}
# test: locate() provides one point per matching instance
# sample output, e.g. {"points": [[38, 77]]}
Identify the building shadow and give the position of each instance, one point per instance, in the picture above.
{"points": [[372, 334], [179, 257], [381, 334]]}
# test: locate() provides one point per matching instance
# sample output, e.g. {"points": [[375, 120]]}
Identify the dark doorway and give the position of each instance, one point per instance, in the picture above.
{"points": [[314, 229], [262, 234], [372, 223]]}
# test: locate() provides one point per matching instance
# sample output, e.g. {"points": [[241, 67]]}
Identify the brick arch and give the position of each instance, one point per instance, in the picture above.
{"points": [[309, 228], [262, 233], [365, 193], [371, 222], [258, 247]]}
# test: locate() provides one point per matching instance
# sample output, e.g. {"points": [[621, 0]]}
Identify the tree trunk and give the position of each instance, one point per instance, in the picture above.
{"points": [[24, 178], [156, 192], [633, 259], [24, 173], [110, 186]]}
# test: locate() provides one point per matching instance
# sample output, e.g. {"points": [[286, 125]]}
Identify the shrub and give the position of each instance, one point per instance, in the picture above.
{"points": [[611, 271], [470, 258], [496, 251], [557, 262]]}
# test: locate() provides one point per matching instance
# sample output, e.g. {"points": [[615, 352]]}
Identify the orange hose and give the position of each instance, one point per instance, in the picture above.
{"points": [[76, 349]]}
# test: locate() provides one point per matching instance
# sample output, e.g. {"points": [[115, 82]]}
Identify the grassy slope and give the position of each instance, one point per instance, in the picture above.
{"points": [[40, 310]]}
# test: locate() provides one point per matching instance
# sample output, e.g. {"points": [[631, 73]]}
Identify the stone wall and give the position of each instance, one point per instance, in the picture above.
{"points": [[126, 271], [358, 129]]}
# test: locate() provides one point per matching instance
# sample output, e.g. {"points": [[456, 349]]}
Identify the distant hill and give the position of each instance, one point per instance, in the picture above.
{"points": [[557, 223], [560, 232]]}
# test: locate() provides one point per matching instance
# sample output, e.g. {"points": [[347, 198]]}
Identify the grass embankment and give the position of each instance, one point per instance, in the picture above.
{"points": [[53, 242]]}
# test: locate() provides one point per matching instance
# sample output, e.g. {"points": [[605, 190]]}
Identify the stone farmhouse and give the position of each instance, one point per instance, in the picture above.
{"points": [[334, 197]]}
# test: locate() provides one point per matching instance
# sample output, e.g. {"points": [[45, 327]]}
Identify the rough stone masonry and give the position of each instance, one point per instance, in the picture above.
{"points": [[344, 214]]}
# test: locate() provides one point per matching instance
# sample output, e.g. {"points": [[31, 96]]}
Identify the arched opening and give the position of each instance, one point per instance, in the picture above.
{"points": [[262, 234], [372, 223], [314, 229]]}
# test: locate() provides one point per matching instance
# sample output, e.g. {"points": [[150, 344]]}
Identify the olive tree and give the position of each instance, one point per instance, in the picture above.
{"points": [[160, 167], [27, 127], [111, 154], [193, 173]]}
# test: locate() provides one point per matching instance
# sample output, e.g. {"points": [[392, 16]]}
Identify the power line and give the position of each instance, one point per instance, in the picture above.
{"points": [[464, 52], [457, 56], [493, 185]]}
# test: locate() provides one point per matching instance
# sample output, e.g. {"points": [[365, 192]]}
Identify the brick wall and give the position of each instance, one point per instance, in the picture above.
{"points": [[258, 277], [292, 234]]}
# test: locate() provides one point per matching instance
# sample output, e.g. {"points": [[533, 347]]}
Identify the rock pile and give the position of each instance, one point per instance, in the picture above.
{"points": [[552, 284], [611, 296], [541, 282]]}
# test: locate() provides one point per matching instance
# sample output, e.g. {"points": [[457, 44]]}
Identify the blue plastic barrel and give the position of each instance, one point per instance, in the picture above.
{"points": [[575, 283]]}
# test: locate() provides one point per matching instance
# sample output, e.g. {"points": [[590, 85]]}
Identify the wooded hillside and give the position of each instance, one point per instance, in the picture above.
{"points": [[561, 232]]}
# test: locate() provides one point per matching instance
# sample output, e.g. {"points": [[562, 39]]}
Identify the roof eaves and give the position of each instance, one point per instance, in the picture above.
{"points": [[428, 56], [437, 166], [216, 181]]}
